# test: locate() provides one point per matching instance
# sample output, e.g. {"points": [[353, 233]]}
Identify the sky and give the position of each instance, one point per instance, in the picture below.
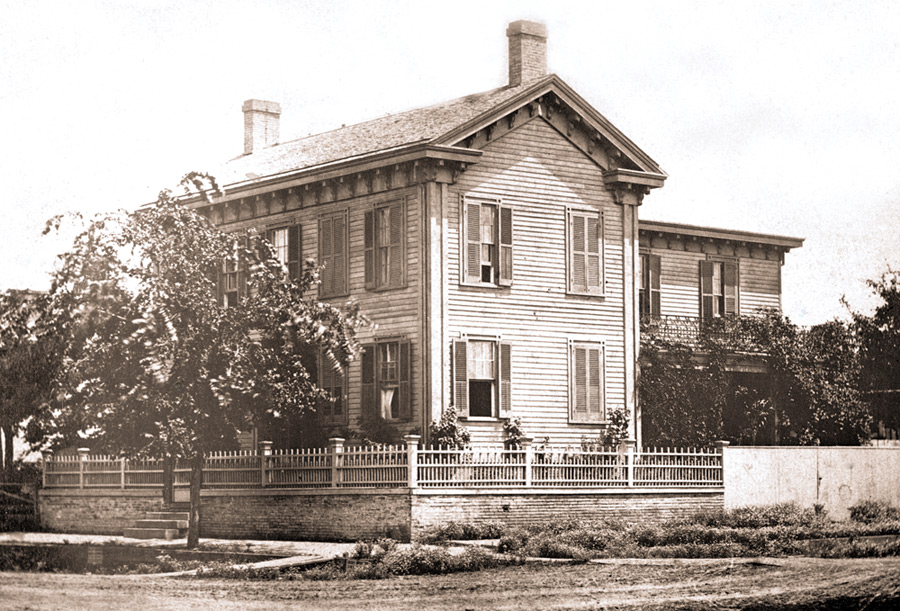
{"points": [[776, 117]]}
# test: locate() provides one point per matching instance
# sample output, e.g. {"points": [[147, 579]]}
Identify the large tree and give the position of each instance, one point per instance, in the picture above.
{"points": [[159, 364], [28, 361]]}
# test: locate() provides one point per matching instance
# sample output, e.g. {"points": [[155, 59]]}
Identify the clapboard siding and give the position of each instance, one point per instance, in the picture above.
{"points": [[538, 173], [759, 283], [394, 312]]}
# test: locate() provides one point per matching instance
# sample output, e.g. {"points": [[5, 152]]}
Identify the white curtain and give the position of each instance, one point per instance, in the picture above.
{"points": [[387, 397]]}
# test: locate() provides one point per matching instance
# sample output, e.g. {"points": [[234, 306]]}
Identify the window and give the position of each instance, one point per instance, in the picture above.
{"points": [[385, 246], [586, 379], [486, 257], [232, 285], [482, 377], [332, 381], [288, 249], [649, 293], [718, 288], [386, 376], [333, 254], [585, 245]]}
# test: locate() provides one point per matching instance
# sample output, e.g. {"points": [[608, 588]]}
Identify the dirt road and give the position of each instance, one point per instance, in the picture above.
{"points": [[784, 583]]}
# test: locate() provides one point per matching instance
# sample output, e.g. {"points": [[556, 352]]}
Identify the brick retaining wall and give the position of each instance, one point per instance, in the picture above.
{"points": [[348, 514]]}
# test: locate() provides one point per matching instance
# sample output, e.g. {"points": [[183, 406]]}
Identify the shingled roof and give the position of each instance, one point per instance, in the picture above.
{"points": [[420, 125]]}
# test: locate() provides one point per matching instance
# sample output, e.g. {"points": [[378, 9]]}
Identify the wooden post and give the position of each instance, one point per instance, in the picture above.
{"points": [[526, 443], [720, 446], [336, 447], [122, 472], [48, 460], [628, 448], [82, 459], [265, 453], [412, 458]]}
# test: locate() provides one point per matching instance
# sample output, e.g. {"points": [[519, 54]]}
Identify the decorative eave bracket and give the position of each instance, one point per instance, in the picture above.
{"points": [[630, 186]]}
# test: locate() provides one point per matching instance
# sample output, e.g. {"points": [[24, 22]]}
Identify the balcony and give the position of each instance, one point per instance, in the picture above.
{"points": [[733, 333]]}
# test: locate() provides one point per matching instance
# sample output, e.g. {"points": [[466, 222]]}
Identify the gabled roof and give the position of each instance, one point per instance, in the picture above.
{"points": [[447, 123]]}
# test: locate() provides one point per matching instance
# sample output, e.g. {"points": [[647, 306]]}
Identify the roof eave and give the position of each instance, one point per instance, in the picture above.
{"points": [[768, 239]]}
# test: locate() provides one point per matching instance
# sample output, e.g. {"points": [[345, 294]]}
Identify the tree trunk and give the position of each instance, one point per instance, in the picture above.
{"points": [[194, 518], [168, 479], [8, 435]]}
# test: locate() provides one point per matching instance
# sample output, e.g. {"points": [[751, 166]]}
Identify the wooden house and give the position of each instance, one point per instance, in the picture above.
{"points": [[494, 241]]}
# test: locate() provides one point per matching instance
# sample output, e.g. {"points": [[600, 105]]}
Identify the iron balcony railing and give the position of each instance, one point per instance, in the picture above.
{"points": [[739, 333]]}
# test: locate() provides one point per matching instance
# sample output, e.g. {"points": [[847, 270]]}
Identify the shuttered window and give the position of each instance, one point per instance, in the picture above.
{"points": [[288, 249], [333, 255], [386, 376], [586, 382], [385, 246], [486, 256], [585, 253], [649, 293], [718, 288], [232, 283], [333, 381], [482, 377]]}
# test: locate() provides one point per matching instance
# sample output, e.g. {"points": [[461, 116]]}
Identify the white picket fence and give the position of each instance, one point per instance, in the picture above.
{"points": [[340, 466]]}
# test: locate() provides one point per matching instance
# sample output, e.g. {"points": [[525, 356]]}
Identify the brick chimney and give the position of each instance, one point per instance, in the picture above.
{"points": [[527, 51], [260, 124]]}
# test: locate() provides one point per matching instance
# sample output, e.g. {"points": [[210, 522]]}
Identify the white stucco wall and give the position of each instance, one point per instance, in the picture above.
{"points": [[837, 477]]}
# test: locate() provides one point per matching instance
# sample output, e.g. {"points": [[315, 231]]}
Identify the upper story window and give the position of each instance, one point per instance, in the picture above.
{"points": [[482, 372], [587, 397], [288, 248], [718, 288], [486, 256], [649, 292], [585, 252], [333, 256], [386, 375], [232, 285], [333, 381], [385, 246]]}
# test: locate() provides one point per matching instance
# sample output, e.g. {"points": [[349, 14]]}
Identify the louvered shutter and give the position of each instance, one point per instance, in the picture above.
{"points": [[405, 375], [339, 248], [395, 274], [368, 402], [369, 248], [326, 285], [578, 273], [505, 380], [706, 289], [506, 246], [730, 271], [579, 384], [594, 377], [295, 250], [472, 243], [655, 293], [593, 255], [460, 377], [243, 276]]}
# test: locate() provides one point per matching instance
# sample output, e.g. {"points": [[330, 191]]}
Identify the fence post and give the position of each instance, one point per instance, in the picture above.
{"points": [[265, 452], [336, 447], [720, 447], [526, 444], [627, 447], [412, 458], [122, 472], [48, 460], [82, 459]]}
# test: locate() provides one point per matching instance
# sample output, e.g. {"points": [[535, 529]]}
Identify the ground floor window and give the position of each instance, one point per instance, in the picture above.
{"points": [[386, 375], [587, 401], [482, 377]]}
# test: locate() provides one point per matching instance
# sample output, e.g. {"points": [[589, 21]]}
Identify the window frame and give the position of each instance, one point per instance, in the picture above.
{"points": [[571, 253], [647, 294], [324, 290], [369, 389], [732, 263], [501, 396], [503, 261], [373, 271], [330, 418], [601, 417], [239, 273], [294, 229]]}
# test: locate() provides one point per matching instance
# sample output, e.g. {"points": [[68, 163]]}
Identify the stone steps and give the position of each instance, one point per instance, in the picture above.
{"points": [[160, 525]]}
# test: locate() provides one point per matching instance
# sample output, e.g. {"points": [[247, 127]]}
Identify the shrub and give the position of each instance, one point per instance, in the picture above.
{"points": [[448, 431], [463, 531], [416, 560], [513, 540], [780, 514], [869, 512]]}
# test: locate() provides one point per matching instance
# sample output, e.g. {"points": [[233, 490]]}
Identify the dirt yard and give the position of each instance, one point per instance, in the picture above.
{"points": [[783, 583]]}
